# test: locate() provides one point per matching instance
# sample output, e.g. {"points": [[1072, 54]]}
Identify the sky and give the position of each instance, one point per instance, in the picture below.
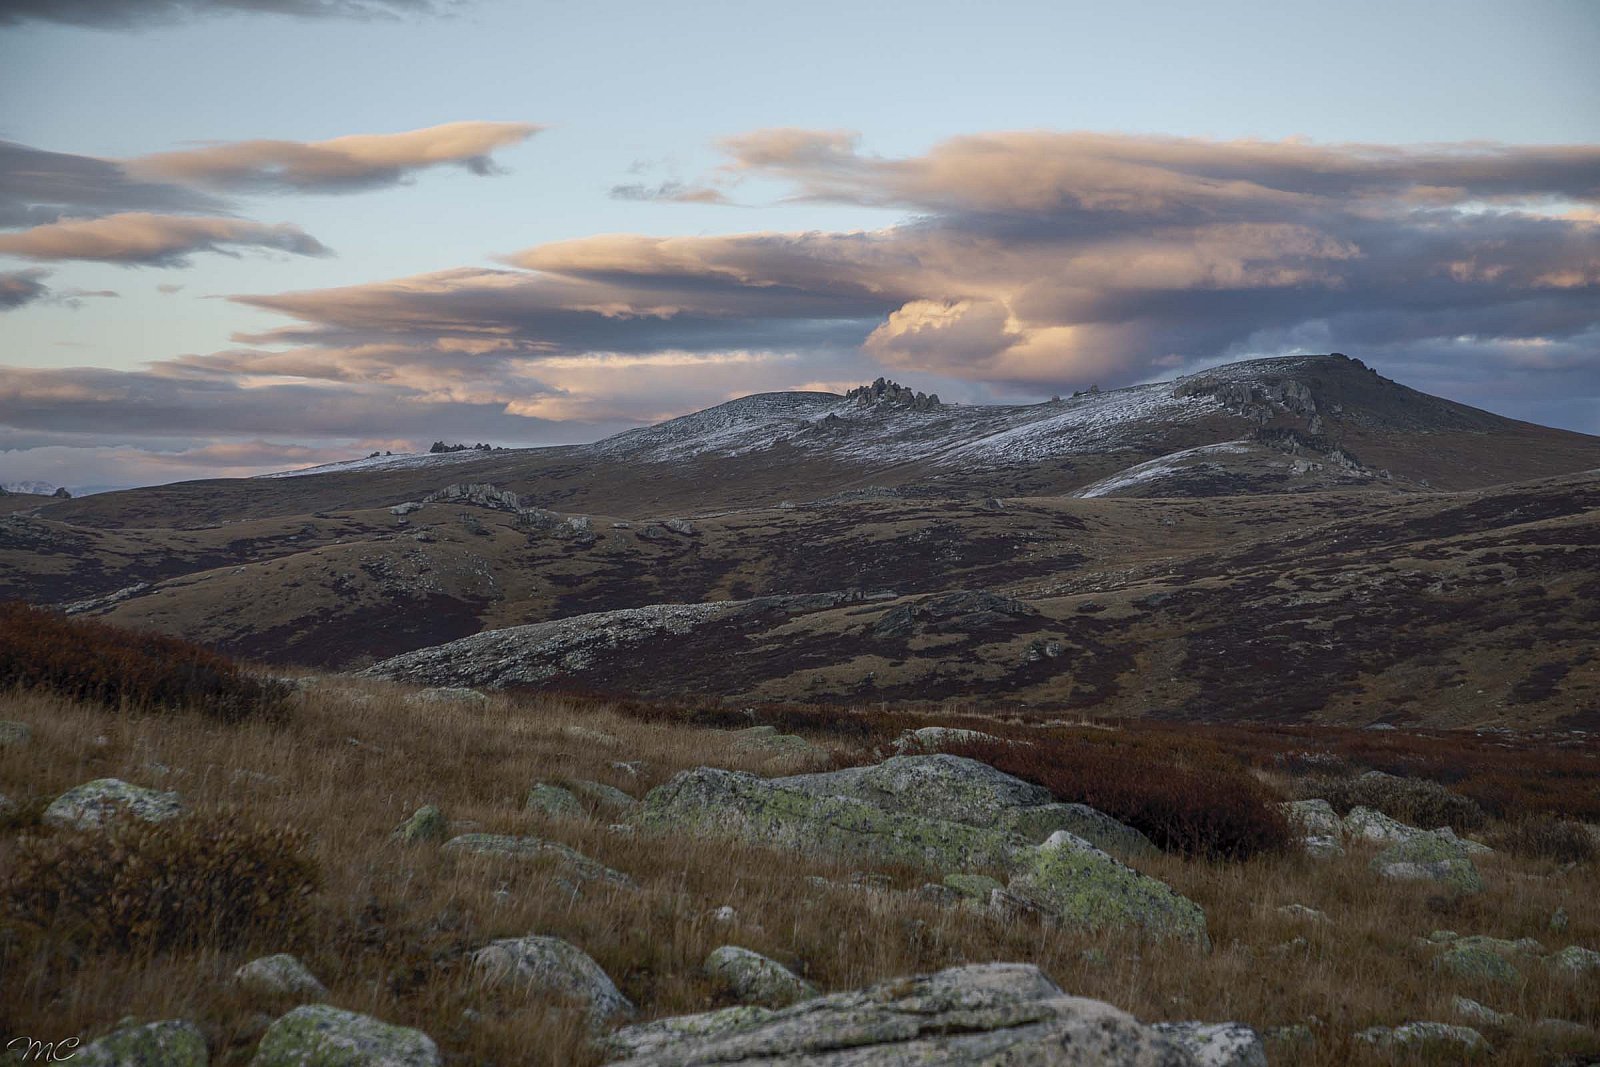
{"points": [[240, 236]]}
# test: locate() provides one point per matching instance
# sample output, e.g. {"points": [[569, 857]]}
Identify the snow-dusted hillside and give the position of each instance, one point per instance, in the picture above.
{"points": [[404, 461]]}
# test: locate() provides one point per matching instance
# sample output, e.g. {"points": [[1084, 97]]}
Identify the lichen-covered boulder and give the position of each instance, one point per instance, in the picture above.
{"points": [[951, 788], [608, 797], [755, 979], [1313, 818], [427, 823], [715, 802], [1440, 1038], [580, 866], [973, 886], [279, 976], [1429, 857], [1370, 825], [1574, 959], [551, 965], [1080, 820], [1070, 880], [935, 738], [1477, 963], [989, 1013], [173, 1043], [1481, 1014], [1468, 845], [316, 1035], [553, 800], [1218, 1044], [91, 805]]}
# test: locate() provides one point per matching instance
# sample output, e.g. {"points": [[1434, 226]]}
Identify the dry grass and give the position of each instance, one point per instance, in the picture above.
{"points": [[393, 925]]}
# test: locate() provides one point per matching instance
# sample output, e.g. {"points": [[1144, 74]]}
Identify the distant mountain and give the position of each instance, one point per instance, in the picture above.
{"points": [[1284, 538]]}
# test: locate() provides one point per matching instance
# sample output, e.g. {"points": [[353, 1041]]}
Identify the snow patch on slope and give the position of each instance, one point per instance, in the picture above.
{"points": [[1160, 467], [404, 461]]}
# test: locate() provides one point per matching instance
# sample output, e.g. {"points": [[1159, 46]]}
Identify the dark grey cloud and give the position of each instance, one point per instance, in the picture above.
{"points": [[130, 14], [38, 187], [22, 287]]}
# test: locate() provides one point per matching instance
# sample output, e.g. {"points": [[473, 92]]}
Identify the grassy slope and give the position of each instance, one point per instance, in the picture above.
{"points": [[394, 925]]}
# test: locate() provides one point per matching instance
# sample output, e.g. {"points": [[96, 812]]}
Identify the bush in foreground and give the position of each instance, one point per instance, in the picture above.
{"points": [[115, 667], [1192, 802], [148, 886]]}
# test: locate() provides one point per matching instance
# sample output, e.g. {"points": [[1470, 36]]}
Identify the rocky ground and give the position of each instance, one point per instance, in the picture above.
{"points": [[546, 880]]}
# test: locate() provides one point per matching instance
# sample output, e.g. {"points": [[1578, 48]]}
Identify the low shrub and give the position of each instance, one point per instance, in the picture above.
{"points": [[1191, 801], [116, 667], [1416, 801], [191, 882], [1549, 838]]}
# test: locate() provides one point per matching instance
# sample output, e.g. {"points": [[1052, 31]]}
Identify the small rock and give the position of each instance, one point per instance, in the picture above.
{"points": [[1558, 921], [682, 527], [1217, 1044], [173, 1043], [553, 801], [1480, 1014], [551, 965], [935, 738], [1301, 912], [279, 976], [725, 914], [316, 1035], [427, 823], [534, 848], [91, 805], [755, 979], [14, 733], [1441, 1037]]}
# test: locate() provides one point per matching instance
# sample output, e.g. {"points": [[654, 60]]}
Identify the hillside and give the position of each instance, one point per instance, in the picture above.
{"points": [[1250, 542]]}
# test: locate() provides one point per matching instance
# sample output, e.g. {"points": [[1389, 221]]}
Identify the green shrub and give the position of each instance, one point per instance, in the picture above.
{"points": [[1188, 800], [190, 882], [116, 667], [1416, 801]]}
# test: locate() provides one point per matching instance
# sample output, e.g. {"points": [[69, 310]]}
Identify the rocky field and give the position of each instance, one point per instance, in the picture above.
{"points": [[435, 875]]}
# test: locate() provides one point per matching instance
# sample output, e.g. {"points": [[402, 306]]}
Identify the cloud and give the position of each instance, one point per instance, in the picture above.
{"points": [[145, 239], [127, 14], [39, 187], [342, 164], [669, 191], [1025, 264], [22, 287]]}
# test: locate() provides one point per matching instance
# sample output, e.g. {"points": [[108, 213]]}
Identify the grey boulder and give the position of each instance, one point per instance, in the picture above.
{"points": [[755, 979], [173, 1043], [316, 1035], [993, 1013], [551, 965], [91, 805]]}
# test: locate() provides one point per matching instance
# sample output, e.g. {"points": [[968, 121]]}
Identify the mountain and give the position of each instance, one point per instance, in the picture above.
{"points": [[1284, 538]]}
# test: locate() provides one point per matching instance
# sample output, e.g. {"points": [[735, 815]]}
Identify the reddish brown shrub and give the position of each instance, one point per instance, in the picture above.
{"points": [[1545, 837], [1189, 800], [116, 667], [195, 881]]}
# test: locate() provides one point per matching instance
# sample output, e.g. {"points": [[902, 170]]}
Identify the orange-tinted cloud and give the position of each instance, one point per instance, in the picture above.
{"points": [[341, 164], [143, 238]]}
